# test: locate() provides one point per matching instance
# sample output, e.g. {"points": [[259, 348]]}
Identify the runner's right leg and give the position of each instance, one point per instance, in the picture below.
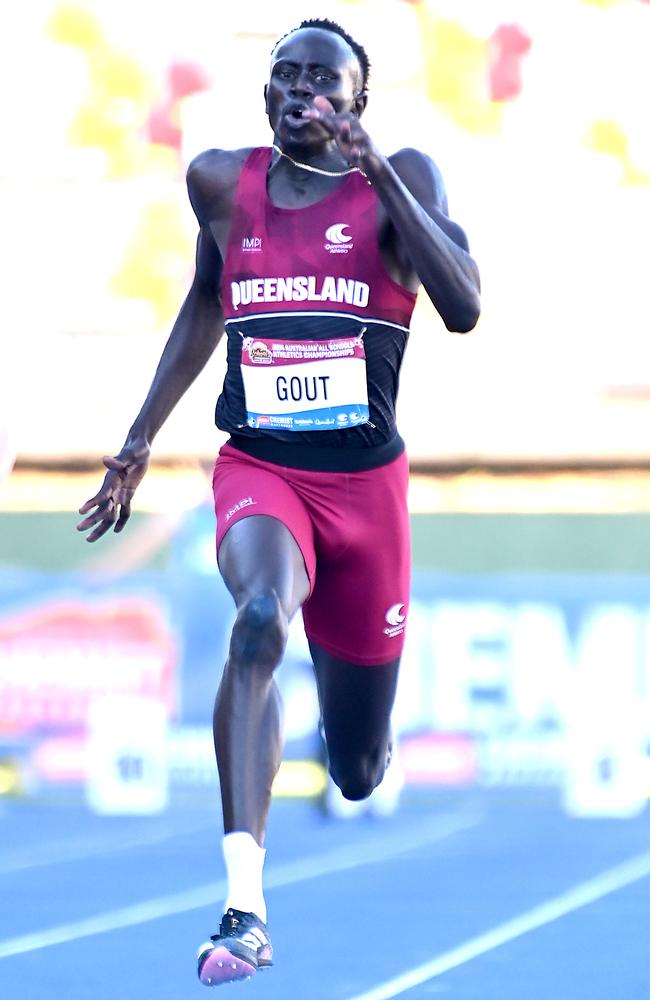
{"points": [[264, 571]]}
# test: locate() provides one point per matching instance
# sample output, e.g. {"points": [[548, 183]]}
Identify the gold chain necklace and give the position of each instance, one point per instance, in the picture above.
{"points": [[318, 170]]}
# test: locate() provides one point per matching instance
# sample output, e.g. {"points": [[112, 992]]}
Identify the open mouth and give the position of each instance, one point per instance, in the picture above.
{"points": [[294, 115]]}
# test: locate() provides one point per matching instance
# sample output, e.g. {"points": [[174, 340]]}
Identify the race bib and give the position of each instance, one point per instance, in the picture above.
{"points": [[307, 385]]}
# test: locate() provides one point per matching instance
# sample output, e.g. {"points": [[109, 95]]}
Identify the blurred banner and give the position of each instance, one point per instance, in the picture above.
{"points": [[499, 675], [62, 652], [535, 112]]}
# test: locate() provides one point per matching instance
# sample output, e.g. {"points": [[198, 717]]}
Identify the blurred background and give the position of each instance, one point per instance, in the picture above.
{"points": [[528, 653]]}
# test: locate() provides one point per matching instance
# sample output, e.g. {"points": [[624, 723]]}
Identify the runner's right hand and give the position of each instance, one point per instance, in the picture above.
{"points": [[112, 504]]}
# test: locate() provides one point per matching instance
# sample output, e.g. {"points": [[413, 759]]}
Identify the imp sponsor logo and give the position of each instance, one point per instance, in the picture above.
{"points": [[395, 620], [245, 502], [338, 240], [251, 244]]}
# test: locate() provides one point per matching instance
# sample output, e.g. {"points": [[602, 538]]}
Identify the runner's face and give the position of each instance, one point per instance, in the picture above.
{"points": [[308, 63]]}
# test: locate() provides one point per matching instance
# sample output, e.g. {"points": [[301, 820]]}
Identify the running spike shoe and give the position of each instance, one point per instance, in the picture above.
{"points": [[241, 947]]}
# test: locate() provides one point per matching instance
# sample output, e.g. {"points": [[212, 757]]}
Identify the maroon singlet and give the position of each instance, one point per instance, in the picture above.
{"points": [[316, 329]]}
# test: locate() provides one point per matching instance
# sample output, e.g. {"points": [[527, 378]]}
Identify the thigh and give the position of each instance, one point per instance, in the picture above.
{"points": [[358, 608], [355, 701], [259, 555], [265, 537]]}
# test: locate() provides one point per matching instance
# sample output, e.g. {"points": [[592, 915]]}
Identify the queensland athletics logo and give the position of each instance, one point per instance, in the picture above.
{"points": [[395, 620], [337, 239]]}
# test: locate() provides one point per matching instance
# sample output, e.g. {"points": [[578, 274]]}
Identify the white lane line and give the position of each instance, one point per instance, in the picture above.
{"points": [[70, 851], [327, 863], [583, 894]]}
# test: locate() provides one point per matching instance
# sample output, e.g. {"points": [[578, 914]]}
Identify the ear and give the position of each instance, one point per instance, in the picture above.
{"points": [[266, 101], [360, 102]]}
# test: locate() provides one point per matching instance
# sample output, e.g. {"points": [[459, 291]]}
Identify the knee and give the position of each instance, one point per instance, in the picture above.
{"points": [[259, 635], [356, 789], [357, 780]]}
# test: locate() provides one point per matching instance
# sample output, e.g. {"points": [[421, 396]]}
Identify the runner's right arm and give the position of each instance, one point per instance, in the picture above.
{"points": [[194, 336]]}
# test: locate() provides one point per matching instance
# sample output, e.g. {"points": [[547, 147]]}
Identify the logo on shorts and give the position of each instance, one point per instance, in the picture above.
{"points": [[337, 240], [246, 502], [395, 620]]}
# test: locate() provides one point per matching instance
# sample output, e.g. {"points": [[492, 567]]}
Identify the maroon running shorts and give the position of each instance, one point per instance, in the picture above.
{"points": [[353, 531]]}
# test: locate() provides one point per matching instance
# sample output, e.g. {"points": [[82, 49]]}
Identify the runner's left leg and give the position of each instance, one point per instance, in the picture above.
{"points": [[356, 703]]}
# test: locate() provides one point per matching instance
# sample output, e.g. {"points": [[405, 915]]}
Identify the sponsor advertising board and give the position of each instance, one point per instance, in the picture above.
{"points": [[505, 680]]}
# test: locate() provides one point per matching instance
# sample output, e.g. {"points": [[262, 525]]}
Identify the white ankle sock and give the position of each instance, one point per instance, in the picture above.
{"points": [[244, 862]]}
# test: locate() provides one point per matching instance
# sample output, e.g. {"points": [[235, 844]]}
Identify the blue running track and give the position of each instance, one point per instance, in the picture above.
{"points": [[475, 895]]}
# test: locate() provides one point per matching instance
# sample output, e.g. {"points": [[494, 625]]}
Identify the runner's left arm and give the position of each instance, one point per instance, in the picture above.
{"points": [[412, 193]]}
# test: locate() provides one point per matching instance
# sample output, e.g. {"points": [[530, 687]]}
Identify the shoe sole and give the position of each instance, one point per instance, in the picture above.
{"points": [[221, 966]]}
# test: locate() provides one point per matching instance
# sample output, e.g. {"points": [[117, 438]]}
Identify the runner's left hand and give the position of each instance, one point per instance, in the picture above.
{"points": [[346, 130]]}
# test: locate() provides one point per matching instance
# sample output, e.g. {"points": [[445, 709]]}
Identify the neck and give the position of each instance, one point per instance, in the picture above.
{"points": [[298, 162]]}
